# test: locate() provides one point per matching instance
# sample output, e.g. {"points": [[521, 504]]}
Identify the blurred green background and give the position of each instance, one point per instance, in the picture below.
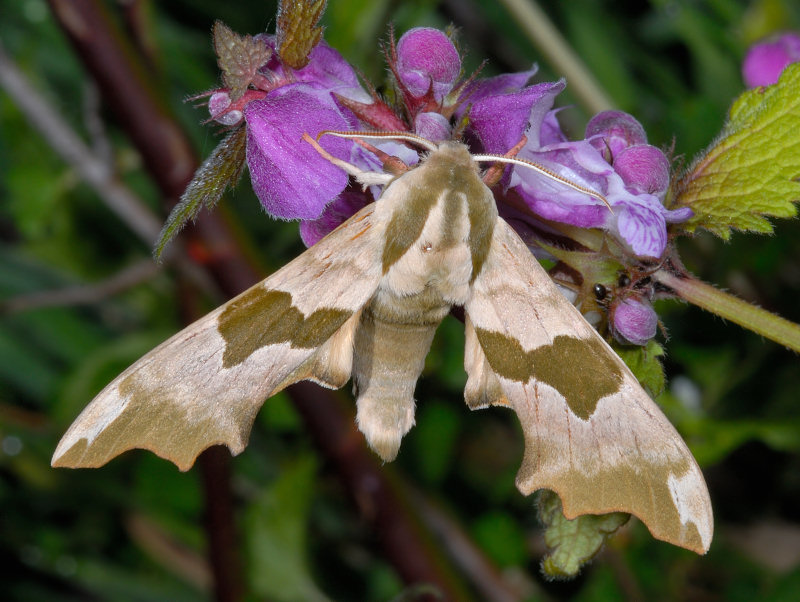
{"points": [[134, 530]]}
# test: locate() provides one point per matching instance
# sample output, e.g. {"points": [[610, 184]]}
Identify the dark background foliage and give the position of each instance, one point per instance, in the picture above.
{"points": [[138, 529]]}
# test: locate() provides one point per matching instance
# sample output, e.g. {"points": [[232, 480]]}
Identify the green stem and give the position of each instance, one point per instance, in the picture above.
{"points": [[535, 23], [732, 308]]}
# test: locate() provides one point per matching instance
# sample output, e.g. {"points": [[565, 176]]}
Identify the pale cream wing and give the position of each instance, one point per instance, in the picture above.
{"points": [[205, 385], [592, 434]]}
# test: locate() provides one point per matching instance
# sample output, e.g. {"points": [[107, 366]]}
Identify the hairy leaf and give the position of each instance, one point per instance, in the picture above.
{"points": [[751, 171], [297, 30], [573, 542], [221, 169], [239, 58]]}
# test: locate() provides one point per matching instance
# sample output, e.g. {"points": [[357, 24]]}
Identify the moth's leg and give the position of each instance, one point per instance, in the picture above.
{"points": [[365, 178], [495, 172]]}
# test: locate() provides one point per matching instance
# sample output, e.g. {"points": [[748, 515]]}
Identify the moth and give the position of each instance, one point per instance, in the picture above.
{"points": [[364, 302]]}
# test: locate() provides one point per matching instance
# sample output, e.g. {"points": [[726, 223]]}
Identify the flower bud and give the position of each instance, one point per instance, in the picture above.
{"points": [[426, 58], [219, 109], [432, 126], [613, 131], [633, 320], [643, 168]]}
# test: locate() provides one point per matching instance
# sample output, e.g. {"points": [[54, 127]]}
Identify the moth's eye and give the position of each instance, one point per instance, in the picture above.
{"points": [[623, 281], [600, 291]]}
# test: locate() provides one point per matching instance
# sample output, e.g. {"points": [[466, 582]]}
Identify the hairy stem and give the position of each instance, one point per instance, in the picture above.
{"points": [[732, 308]]}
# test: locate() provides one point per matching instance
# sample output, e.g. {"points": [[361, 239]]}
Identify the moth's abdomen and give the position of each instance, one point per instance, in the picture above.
{"points": [[388, 358]]}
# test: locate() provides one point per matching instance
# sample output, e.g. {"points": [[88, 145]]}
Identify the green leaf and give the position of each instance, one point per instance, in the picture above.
{"points": [[221, 169], [645, 363], [239, 58], [573, 542], [277, 536], [297, 31], [751, 171]]}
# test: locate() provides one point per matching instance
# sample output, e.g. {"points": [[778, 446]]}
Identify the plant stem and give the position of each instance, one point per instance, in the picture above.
{"points": [[545, 35], [732, 308]]}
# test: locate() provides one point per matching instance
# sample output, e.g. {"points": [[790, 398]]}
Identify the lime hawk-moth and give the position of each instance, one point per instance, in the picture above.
{"points": [[364, 303]]}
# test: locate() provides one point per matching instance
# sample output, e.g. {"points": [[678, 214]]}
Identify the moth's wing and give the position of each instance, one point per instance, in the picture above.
{"points": [[592, 434], [205, 385]]}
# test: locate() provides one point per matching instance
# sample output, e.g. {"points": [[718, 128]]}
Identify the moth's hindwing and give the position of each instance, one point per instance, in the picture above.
{"points": [[592, 434], [204, 385]]}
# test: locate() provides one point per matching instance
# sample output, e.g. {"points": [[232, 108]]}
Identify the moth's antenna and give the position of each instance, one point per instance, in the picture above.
{"points": [[548, 173], [407, 136]]}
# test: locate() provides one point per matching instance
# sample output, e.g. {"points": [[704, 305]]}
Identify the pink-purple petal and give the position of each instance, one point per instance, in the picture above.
{"points": [[289, 177], [328, 68], [550, 132], [499, 84], [642, 226], [501, 119], [347, 204], [432, 126], [676, 216], [574, 209], [578, 162]]}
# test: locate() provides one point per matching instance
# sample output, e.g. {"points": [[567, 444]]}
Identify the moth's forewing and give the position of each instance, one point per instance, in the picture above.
{"points": [[592, 434], [204, 386]]}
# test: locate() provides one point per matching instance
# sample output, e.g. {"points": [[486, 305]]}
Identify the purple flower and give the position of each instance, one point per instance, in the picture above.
{"points": [[633, 320], [427, 61], [550, 132], [291, 179], [613, 161], [577, 162], [619, 181], [499, 84], [765, 61]]}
